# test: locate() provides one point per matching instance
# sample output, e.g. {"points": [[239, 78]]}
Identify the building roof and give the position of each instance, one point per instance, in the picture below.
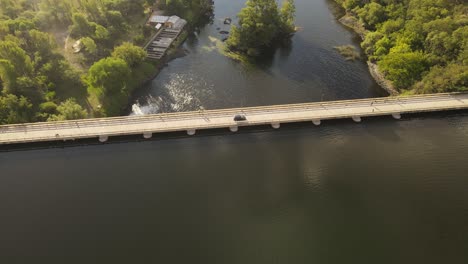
{"points": [[159, 19], [177, 22], [173, 19]]}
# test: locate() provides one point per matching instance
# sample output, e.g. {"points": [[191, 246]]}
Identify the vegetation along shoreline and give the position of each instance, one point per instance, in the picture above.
{"points": [[412, 46]]}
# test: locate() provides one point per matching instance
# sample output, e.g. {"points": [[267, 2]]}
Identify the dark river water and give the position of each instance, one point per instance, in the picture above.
{"points": [[383, 191], [310, 69]]}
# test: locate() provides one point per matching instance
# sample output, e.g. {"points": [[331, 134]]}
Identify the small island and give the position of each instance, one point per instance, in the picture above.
{"points": [[349, 52], [262, 24]]}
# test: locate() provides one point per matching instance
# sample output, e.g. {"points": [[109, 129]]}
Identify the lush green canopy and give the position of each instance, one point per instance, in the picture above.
{"points": [[421, 45], [37, 74], [68, 110], [14, 109], [131, 54]]}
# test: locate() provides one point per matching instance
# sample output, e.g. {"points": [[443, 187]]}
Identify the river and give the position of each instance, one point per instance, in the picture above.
{"points": [[308, 70], [383, 191]]}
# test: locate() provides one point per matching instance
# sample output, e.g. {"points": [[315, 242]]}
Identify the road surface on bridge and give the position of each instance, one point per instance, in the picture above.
{"points": [[103, 128]]}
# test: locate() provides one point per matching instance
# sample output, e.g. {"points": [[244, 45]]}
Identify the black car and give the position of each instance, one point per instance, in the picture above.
{"points": [[238, 118]]}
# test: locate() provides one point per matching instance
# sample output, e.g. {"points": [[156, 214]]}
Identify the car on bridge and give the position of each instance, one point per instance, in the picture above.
{"points": [[240, 118]]}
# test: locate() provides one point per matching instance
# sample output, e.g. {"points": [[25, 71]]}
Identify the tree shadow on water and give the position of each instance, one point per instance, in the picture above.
{"points": [[269, 55]]}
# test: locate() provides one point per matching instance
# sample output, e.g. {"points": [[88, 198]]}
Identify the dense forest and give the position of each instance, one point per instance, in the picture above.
{"points": [[43, 79], [420, 45], [40, 80]]}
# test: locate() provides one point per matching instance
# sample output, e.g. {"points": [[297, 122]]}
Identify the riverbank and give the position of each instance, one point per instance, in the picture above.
{"points": [[353, 23]]}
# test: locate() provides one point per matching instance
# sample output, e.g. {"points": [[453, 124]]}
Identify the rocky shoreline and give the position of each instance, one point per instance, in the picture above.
{"points": [[352, 22]]}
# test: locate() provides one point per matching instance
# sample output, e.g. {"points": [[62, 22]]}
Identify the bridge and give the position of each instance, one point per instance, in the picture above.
{"points": [[190, 122]]}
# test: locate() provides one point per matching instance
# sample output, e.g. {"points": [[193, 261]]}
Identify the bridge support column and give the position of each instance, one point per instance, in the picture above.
{"points": [[357, 119], [234, 129], [103, 139], [397, 116], [275, 125], [191, 132], [147, 135], [317, 122]]}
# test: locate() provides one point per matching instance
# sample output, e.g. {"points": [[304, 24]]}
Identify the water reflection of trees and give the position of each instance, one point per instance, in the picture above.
{"points": [[280, 50]]}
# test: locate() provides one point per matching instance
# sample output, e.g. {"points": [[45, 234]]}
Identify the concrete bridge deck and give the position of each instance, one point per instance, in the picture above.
{"points": [[103, 128]]}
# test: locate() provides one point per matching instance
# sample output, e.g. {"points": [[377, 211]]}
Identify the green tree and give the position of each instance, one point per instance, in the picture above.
{"points": [[127, 7], [287, 14], [14, 63], [109, 75], [57, 11], [372, 14], [452, 78], [14, 110], [403, 68], [10, 8], [81, 27], [101, 32], [130, 53], [369, 43], [107, 80], [40, 42], [69, 110], [90, 45]]}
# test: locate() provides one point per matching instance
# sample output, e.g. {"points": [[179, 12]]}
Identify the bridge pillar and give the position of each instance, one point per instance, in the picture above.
{"points": [[317, 122], [275, 125], [147, 135], [191, 132], [103, 138], [357, 119], [397, 116], [234, 129]]}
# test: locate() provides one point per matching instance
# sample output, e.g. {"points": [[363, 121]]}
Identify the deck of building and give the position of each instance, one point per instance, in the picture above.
{"points": [[190, 122], [163, 39]]}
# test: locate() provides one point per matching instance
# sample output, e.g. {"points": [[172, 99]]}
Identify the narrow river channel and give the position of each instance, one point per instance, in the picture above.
{"points": [[307, 70]]}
